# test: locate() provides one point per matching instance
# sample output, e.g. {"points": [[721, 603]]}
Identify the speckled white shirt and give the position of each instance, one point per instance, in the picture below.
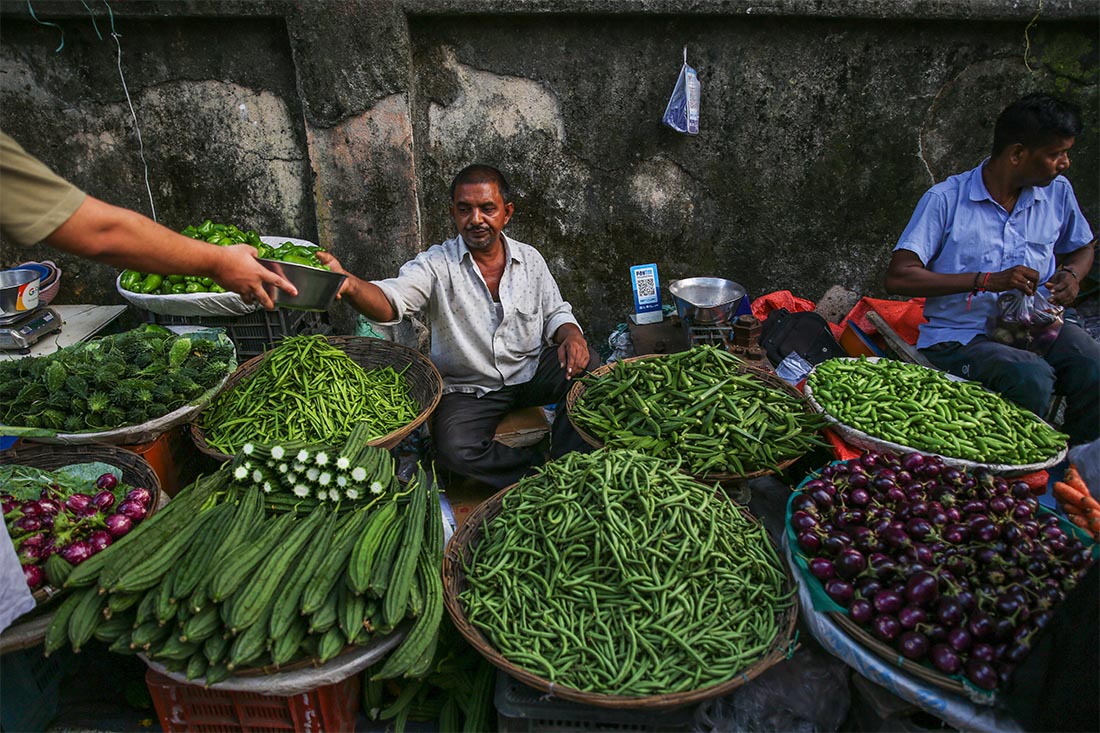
{"points": [[472, 352]]}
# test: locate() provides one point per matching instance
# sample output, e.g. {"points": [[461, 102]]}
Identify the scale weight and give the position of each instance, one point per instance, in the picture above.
{"points": [[21, 331]]}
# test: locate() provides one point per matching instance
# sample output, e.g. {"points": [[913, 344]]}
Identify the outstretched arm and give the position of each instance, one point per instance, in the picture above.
{"points": [[124, 238], [908, 276], [365, 297]]}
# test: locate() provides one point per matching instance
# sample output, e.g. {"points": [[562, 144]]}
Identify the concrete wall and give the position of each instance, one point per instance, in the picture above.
{"points": [[342, 122]]}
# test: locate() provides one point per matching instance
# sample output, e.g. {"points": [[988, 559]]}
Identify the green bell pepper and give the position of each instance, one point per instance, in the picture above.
{"points": [[151, 283]]}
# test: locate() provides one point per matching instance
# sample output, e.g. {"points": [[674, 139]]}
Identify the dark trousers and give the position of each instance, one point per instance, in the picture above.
{"points": [[1071, 368], [463, 425]]}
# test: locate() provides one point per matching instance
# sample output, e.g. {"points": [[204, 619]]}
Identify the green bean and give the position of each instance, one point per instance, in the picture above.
{"points": [[307, 390], [618, 603], [924, 410]]}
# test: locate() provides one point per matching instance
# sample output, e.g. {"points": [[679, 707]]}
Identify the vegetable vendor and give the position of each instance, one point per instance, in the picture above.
{"points": [[502, 336], [38, 205], [1012, 223]]}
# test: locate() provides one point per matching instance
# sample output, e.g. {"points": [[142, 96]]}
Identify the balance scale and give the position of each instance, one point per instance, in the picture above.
{"points": [[20, 331]]}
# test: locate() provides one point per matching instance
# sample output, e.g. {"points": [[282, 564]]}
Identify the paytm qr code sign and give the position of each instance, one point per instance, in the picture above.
{"points": [[647, 293]]}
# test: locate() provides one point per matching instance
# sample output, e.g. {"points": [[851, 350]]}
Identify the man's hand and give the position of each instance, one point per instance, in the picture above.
{"points": [[573, 355], [1019, 278], [335, 266], [1063, 288], [238, 270]]}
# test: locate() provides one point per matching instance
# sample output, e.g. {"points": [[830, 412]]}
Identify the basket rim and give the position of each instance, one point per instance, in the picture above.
{"points": [[768, 377], [466, 537], [389, 440]]}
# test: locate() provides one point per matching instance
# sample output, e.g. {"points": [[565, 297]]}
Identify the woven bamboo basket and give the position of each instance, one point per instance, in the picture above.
{"points": [[135, 472], [460, 550], [770, 379], [369, 353]]}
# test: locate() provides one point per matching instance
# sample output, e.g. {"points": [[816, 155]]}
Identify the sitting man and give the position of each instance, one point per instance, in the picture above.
{"points": [[502, 337], [1012, 223]]}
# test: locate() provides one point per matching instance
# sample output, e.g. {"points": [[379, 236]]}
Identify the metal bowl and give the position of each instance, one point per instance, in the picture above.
{"points": [[18, 291], [317, 288], [706, 299]]}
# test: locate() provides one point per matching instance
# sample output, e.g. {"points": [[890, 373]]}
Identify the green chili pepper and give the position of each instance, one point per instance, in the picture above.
{"points": [[151, 283]]}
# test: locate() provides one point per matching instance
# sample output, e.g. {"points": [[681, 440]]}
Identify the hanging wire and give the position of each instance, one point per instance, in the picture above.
{"points": [[1027, 36], [52, 25], [137, 128], [94, 24]]}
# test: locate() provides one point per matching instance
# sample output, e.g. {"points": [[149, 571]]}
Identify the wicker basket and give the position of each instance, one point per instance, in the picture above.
{"points": [[460, 549], [767, 377], [135, 472], [370, 353]]}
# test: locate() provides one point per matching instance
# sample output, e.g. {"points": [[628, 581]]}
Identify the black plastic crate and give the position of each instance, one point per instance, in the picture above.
{"points": [[32, 686], [256, 332], [523, 709]]}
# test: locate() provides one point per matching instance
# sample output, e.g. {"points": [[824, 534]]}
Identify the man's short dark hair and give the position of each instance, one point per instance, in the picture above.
{"points": [[481, 173], [1034, 121]]}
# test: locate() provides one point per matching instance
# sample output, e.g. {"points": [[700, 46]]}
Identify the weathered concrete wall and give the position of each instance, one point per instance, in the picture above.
{"points": [[822, 124]]}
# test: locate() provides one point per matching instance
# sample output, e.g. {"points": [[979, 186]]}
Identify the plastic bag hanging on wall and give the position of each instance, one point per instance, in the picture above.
{"points": [[682, 112]]}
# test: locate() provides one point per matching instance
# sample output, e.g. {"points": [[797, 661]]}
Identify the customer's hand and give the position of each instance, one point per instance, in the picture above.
{"points": [[238, 270], [334, 265]]}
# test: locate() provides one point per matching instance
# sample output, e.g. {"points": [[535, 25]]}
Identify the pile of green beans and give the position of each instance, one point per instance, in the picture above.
{"points": [[307, 390], [697, 407], [922, 409], [612, 572]]}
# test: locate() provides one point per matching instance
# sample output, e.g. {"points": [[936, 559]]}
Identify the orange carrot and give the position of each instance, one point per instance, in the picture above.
{"points": [[1066, 493], [1079, 521], [1073, 478]]}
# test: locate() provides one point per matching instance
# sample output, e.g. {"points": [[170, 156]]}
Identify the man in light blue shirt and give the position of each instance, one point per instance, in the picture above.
{"points": [[502, 336], [1012, 223]]}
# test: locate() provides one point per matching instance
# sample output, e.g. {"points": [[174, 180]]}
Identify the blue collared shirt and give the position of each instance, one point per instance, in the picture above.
{"points": [[958, 227], [477, 346]]}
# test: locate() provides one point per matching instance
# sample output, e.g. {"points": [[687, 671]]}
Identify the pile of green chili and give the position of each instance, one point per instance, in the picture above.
{"points": [[698, 407], [923, 409], [613, 572], [307, 390]]}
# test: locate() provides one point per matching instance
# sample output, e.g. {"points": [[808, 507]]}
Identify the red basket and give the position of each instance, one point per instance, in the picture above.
{"points": [[185, 707]]}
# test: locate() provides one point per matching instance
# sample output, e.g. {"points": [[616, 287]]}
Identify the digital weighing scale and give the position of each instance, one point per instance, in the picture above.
{"points": [[20, 331]]}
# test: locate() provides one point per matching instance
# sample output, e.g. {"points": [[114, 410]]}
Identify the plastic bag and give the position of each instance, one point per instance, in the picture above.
{"points": [[1029, 322], [682, 112], [807, 693]]}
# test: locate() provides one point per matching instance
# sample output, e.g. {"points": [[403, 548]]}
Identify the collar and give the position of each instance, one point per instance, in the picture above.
{"points": [[512, 253], [978, 192]]}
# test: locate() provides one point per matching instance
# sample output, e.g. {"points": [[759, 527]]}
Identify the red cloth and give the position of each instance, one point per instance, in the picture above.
{"points": [[765, 304], [904, 316]]}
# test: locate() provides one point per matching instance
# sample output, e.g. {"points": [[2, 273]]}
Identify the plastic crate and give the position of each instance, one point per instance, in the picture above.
{"points": [[256, 332], [522, 709], [185, 707], [32, 687]]}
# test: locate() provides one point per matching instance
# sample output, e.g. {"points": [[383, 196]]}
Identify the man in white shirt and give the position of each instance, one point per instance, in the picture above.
{"points": [[502, 337]]}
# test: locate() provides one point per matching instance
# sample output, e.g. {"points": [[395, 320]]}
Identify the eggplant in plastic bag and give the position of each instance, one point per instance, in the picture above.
{"points": [[682, 112], [1029, 322]]}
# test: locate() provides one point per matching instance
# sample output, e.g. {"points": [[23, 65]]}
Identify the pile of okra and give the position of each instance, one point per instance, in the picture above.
{"points": [[612, 572], [924, 410], [700, 408]]}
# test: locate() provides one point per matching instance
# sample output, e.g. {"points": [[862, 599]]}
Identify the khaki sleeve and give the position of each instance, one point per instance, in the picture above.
{"points": [[34, 201]]}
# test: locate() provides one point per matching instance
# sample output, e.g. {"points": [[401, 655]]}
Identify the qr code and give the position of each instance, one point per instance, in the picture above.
{"points": [[647, 287]]}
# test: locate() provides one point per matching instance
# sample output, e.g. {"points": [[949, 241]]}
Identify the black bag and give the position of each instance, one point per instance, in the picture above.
{"points": [[806, 333]]}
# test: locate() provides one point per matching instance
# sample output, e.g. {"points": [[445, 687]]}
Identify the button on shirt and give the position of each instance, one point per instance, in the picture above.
{"points": [[476, 348], [958, 227]]}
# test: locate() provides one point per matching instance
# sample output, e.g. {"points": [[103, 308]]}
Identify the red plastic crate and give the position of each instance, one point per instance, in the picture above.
{"points": [[185, 707]]}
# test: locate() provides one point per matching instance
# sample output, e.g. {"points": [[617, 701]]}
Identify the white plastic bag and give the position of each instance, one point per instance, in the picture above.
{"points": [[682, 112]]}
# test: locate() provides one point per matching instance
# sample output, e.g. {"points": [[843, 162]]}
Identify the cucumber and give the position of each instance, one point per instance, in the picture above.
{"points": [[199, 555], [234, 572], [285, 610], [214, 648], [114, 627], [324, 618], [387, 552], [202, 625], [249, 646], [424, 629], [57, 569], [57, 633], [196, 666], [86, 617], [285, 648], [247, 521], [351, 614], [150, 569], [333, 566], [331, 644]]}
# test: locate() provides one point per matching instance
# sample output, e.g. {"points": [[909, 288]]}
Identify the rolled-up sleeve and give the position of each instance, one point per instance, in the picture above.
{"points": [[411, 290], [925, 230]]}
